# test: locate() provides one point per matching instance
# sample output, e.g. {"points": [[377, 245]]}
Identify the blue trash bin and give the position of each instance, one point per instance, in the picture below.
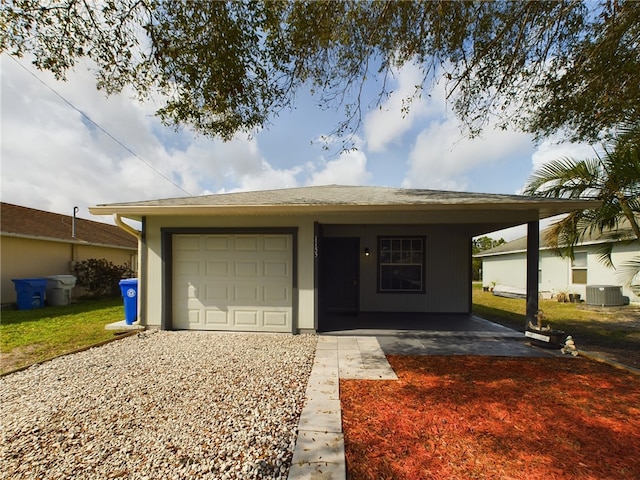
{"points": [[30, 292], [129, 289]]}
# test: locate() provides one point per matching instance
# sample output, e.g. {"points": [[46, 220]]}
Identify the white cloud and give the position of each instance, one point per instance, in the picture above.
{"points": [[387, 124], [265, 177], [350, 168], [54, 159], [550, 150], [441, 157]]}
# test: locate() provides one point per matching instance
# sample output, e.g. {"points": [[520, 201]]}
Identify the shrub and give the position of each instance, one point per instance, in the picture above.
{"points": [[101, 277]]}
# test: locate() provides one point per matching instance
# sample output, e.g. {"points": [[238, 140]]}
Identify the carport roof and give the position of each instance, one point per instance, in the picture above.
{"points": [[340, 198]]}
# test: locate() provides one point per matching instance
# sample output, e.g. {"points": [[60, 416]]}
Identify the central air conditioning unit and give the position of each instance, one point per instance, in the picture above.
{"points": [[604, 295]]}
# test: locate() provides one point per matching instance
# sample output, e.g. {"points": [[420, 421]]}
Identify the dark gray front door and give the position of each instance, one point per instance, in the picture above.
{"points": [[340, 275]]}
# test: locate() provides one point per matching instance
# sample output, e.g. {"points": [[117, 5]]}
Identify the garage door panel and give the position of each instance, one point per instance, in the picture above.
{"points": [[246, 243], [218, 294], [246, 293], [188, 267], [194, 316], [278, 243], [276, 295], [232, 282], [276, 319], [217, 243], [276, 269], [186, 243], [218, 268], [216, 318], [245, 318], [247, 269], [183, 291], [192, 306]]}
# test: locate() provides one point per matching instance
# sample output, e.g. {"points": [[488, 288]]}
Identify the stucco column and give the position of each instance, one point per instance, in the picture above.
{"points": [[533, 252]]}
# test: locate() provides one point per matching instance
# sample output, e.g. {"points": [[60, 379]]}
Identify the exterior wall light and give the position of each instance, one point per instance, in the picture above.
{"points": [[367, 252]]}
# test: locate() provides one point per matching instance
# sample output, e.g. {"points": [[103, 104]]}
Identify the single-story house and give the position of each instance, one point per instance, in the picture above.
{"points": [[316, 258], [505, 265], [36, 243]]}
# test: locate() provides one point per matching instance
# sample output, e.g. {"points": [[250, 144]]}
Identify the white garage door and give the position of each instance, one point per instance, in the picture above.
{"points": [[232, 282]]}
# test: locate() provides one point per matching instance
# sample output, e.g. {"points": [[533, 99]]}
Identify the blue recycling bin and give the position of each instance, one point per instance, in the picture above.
{"points": [[30, 292], [129, 289]]}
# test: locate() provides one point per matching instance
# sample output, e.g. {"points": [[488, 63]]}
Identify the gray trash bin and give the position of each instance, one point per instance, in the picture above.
{"points": [[59, 289]]}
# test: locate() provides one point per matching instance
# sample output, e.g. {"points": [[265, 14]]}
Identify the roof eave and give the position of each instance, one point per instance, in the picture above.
{"points": [[545, 209]]}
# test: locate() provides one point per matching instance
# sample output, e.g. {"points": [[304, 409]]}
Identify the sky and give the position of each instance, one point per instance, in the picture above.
{"points": [[54, 158]]}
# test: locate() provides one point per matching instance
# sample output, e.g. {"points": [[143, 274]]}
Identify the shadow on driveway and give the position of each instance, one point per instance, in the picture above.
{"points": [[436, 334]]}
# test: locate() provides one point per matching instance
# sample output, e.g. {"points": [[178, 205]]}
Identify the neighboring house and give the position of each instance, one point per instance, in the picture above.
{"points": [[505, 265], [316, 258], [35, 243]]}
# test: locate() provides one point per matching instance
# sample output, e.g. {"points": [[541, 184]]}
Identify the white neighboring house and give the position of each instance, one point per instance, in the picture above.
{"points": [[505, 266]]}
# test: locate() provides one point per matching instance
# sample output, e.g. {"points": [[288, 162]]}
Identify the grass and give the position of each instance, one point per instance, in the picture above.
{"points": [[31, 336], [487, 417], [613, 332]]}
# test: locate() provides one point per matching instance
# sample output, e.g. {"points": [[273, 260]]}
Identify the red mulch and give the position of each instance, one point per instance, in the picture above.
{"points": [[468, 417]]}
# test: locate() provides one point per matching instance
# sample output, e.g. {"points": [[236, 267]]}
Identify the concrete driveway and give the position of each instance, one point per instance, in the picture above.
{"points": [[447, 334]]}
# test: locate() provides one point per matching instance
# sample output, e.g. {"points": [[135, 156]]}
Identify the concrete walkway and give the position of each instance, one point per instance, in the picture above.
{"points": [[319, 451]]}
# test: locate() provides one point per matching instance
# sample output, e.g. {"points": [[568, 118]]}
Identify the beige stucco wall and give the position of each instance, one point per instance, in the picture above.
{"points": [[27, 258], [448, 281]]}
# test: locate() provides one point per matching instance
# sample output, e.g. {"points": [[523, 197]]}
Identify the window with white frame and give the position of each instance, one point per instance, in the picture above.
{"points": [[401, 264], [579, 268]]}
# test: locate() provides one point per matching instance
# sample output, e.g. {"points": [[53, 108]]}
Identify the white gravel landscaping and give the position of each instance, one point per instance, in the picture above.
{"points": [[167, 405]]}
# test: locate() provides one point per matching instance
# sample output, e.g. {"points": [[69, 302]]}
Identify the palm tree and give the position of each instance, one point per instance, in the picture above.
{"points": [[613, 177]]}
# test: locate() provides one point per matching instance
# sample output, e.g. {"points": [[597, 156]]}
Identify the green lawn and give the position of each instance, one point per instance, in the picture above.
{"points": [[30, 336], [612, 331]]}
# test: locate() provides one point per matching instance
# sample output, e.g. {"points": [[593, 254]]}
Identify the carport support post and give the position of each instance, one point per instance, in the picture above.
{"points": [[533, 253]]}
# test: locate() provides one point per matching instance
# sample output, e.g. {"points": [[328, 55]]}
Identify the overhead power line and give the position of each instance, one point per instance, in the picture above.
{"points": [[102, 129]]}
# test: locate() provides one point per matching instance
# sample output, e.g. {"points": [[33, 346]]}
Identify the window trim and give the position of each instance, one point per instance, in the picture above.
{"points": [[422, 264], [580, 268]]}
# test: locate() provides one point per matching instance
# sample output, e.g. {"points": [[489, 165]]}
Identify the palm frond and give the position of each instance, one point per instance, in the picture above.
{"points": [[563, 235], [604, 252], [629, 272], [613, 177], [566, 178]]}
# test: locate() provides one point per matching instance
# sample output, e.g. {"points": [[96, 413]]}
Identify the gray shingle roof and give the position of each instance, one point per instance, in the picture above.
{"points": [[622, 233], [342, 195]]}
